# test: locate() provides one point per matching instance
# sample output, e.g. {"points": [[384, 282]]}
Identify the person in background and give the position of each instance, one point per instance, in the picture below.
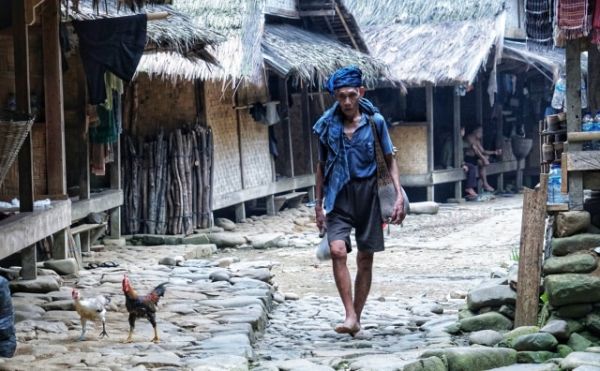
{"points": [[346, 187], [475, 154]]}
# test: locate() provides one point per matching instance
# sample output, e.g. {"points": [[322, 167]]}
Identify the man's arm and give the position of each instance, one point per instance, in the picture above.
{"points": [[319, 181], [398, 215]]}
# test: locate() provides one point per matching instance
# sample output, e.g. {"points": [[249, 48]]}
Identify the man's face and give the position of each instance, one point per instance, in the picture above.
{"points": [[348, 98], [479, 133]]}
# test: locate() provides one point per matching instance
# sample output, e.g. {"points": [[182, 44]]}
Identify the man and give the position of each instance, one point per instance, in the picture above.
{"points": [[346, 187], [475, 154]]}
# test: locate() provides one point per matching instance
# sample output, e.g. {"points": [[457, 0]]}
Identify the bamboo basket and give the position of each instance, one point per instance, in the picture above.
{"points": [[14, 128]]}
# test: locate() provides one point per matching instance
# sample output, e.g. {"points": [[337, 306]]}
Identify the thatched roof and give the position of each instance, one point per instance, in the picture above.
{"points": [[442, 42], [312, 57], [241, 22]]}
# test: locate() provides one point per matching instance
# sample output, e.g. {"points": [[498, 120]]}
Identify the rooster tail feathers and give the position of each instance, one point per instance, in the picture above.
{"points": [[160, 289]]}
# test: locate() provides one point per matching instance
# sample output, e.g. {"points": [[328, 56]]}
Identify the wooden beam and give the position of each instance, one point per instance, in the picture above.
{"points": [[317, 13], [115, 185], [348, 31], [429, 114], [530, 254], [583, 161], [99, 202], [479, 102], [22, 93], [583, 136], [457, 143], [240, 212], [29, 263], [306, 130], [573, 66], [288, 152], [53, 93]]}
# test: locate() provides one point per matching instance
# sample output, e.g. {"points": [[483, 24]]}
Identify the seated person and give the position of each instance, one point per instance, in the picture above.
{"points": [[475, 154], [471, 170]]}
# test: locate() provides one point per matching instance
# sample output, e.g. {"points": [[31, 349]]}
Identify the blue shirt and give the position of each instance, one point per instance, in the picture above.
{"points": [[348, 158]]}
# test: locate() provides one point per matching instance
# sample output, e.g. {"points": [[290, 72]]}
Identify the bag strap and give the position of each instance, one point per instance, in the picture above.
{"points": [[383, 173]]}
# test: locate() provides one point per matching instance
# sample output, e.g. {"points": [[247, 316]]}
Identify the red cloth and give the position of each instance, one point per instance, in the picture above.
{"points": [[573, 18], [596, 23]]}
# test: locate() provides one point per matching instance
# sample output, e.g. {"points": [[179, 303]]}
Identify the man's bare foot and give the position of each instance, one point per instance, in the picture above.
{"points": [[488, 188], [348, 327], [470, 192]]}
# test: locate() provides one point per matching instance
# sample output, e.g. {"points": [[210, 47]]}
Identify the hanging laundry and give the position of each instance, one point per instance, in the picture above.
{"points": [[112, 44], [596, 23], [538, 23], [573, 20], [113, 84]]}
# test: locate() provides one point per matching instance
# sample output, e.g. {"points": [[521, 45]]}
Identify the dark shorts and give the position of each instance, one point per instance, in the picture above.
{"points": [[357, 206]]}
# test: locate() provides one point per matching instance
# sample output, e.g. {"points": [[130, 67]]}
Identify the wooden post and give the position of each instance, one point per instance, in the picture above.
{"points": [[479, 102], [457, 144], [429, 113], [53, 92], [574, 118], [239, 142], [22, 93], [240, 212], [306, 130], [28, 262], [530, 253], [270, 200], [288, 152], [115, 183]]}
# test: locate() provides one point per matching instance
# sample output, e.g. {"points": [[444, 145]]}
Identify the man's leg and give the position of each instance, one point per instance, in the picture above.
{"points": [[344, 285], [483, 176], [362, 285]]}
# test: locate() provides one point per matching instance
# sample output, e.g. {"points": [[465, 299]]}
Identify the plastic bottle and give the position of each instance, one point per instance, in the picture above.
{"points": [[588, 124], [554, 183], [560, 89]]}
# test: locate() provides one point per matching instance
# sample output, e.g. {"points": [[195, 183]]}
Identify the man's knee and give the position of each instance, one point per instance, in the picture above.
{"points": [[338, 249], [364, 260]]}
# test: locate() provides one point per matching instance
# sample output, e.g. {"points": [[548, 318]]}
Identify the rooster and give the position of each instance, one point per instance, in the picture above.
{"points": [[92, 309], [144, 306]]}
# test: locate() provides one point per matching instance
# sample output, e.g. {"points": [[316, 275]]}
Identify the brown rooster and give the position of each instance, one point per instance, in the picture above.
{"points": [[92, 309], [144, 306]]}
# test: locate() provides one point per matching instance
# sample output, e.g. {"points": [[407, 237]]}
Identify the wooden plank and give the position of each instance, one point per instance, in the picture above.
{"points": [[573, 66], [564, 178], [284, 185], [86, 227], [28, 263], [22, 93], [288, 152], [557, 207], [530, 253], [583, 136], [306, 129], [60, 246], [270, 201], [53, 93], [317, 13], [25, 229], [99, 202], [583, 160], [457, 144], [348, 31], [240, 212], [429, 114], [115, 185], [479, 102]]}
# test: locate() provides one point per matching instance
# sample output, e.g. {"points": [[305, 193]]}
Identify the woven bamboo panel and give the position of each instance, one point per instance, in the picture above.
{"points": [[10, 187], [411, 142], [222, 118], [163, 104], [256, 158]]}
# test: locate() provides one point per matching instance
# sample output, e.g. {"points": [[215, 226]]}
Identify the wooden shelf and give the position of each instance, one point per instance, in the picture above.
{"points": [[557, 207], [583, 136], [583, 161]]}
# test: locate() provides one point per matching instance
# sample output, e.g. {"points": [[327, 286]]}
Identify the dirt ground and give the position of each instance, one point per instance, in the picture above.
{"points": [[430, 256]]}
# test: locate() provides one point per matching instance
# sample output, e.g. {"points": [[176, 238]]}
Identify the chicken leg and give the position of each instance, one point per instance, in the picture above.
{"points": [[83, 324], [153, 323], [103, 333], [131, 328]]}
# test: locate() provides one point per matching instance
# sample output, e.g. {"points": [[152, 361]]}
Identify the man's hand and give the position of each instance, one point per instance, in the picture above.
{"points": [[398, 215], [465, 168], [320, 218], [498, 152], [486, 160]]}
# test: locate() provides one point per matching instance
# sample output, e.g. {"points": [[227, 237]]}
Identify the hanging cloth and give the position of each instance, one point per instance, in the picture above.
{"points": [[112, 44], [538, 23], [596, 23], [573, 18]]}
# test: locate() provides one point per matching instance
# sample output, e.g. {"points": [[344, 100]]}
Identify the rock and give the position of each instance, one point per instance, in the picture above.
{"points": [[220, 275], [226, 239], [491, 296], [530, 367], [428, 207], [570, 222], [200, 251], [487, 321], [557, 328], [507, 311], [59, 305], [577, 359], [301, 365], [578, 343], [474, 358], [592, 323], [265, 241], [574, 310], [112, 243], [377, 363], [278, 297], [171, 260], [535, 357], [150, 239], [43, 284], [225, 223], [580, 242], [535, 342], [572, 288], [48, 350], [574, 263], [261, 274], [465, 313], [291, 296], [510, 337], [587, 368], [563, 350], [458, 294], [226, 262], [453, 329], [427, 364], [198, 239], [219, 362], [62, 266], [158, 359], [485, 337]]}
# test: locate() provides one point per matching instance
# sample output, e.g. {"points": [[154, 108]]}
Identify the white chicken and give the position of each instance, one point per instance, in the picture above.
{"points": [[90, 309]]}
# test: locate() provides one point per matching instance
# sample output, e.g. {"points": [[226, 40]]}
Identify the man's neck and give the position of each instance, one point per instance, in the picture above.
{"points": [[351, 118]]}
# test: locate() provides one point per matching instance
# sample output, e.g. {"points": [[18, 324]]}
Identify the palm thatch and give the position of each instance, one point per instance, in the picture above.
{"points": [[242, 23], [166, 65], [312, 57], [176, 33], [431, 42]]}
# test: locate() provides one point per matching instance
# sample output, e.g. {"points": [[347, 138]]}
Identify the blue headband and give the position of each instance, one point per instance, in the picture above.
{"points": [[350, 76]]}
